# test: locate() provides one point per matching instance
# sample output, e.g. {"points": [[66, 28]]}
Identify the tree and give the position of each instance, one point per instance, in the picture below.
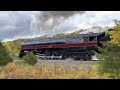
{"points": [[110, 60], [115, 34], [14, 47], [110, 56], [5, 56], [58, 35]]}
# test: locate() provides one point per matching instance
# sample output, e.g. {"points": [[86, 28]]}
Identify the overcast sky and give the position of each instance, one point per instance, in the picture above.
{"points": [[23, 24]]}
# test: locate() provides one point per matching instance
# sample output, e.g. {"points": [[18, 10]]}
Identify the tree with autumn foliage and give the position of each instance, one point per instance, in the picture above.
{"points": [[5, 56], [115, 34], [110, 56]]}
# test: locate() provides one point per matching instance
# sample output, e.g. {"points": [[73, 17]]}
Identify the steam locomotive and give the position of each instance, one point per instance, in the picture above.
{"points": [[80, 46]]}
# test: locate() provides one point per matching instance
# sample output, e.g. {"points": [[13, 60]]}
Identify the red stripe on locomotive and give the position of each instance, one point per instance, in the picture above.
{"points": [[85, 44]]}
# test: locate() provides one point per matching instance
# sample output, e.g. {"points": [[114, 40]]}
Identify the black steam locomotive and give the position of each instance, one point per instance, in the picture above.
{"points": [[80, 46]]}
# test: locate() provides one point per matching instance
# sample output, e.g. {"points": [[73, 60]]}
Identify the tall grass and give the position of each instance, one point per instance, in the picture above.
{"points": [[24, 71]]}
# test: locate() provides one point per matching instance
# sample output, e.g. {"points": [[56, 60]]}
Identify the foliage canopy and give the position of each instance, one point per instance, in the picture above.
{"points": [[5, 56]]}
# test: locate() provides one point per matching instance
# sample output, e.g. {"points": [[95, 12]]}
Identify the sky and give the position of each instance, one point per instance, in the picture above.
{"points": [[26, 24]]}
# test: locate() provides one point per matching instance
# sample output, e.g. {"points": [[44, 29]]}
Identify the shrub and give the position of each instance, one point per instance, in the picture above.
{"points": [[30, 58], [5, 56], [110, 61]]}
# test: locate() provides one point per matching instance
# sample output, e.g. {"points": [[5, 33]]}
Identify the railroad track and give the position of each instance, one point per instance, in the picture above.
{"points": [[67, 63]]}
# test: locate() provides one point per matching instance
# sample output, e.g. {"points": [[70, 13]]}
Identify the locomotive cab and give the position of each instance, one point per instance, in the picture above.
{"points": [[93, 38], [90, 38]]}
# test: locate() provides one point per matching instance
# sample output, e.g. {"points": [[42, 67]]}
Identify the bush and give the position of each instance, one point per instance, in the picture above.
{"points": [[30, 58], [5, 56], [110, 61]]}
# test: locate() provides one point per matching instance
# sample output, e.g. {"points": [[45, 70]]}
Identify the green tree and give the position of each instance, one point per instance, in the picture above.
{"points": [[110, 60], [110, 53], [14, 47], [5, 56]]}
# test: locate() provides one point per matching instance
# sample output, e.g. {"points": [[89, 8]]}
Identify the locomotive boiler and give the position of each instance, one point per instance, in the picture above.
{"points": [[80, 46]]}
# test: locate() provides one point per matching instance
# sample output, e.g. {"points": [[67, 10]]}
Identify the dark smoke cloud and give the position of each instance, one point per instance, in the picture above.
{"points": [[49, 19]]}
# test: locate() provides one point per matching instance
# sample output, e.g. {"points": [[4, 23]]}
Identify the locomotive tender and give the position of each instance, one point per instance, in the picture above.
{"points": [[80, 46]]}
